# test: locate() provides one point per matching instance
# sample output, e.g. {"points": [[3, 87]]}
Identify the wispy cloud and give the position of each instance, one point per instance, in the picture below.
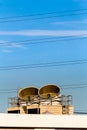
{"points": [[75, 23], [10, 45], [44, 33], [7, 51], [7, 47], [2, 42], [13, 45]]}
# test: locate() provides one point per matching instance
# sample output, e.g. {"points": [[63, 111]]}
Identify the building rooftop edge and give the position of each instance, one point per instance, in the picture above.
{"points": [[43, 121]]}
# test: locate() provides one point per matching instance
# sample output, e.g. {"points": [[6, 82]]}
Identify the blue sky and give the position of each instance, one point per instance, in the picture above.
{"points": [[60, 20]]}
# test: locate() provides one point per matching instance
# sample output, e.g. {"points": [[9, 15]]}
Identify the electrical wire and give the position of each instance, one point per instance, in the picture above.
{"points": [[78, 112], [38, 16], [47, 13], [1, 92], [82, 85], [46, 40], [50, 64], [70, 86], [73, 86], [8, 90], [25, 19]]}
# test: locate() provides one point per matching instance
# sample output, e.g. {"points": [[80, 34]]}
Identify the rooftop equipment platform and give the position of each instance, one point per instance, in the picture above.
{"points": [[47, 99]]}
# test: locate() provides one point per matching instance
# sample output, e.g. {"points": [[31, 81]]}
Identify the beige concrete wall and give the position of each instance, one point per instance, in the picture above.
{"points": [[13, 108], [51, 109], [45, 109], [71, 110], [32, 106]]}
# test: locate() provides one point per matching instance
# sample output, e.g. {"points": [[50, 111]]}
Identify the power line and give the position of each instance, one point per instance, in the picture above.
{"points": [[25, 19], [1, 92], [82, 85], [46, 13], [8, 89], [39, 41], [78, 112], [73, 86], [38, 16], [50, 64]]}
